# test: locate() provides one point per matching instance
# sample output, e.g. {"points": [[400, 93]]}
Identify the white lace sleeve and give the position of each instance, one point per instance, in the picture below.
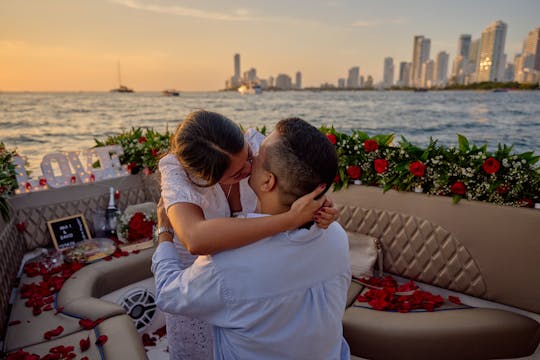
{"points": [[175, 185]]}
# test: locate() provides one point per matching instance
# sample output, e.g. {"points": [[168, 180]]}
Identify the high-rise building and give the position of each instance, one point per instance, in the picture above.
{"points": [[352, 79], [404, 74], [271, 81], [491, 52], [369, 82], [421, 50], [341, 83], [464, 45], [428, 70], [298, 84], [509, 72], [237, 66], [283, 82], [388, 74], [531, 46], [460, 64], [470, 70], [441, 68], [250, 75]]}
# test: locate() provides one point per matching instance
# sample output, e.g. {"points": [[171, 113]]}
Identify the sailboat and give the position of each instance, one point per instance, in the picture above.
{"points": [[121, 88]]}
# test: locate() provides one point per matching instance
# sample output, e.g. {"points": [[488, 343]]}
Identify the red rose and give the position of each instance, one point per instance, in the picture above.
{"points": [[371, 145], [21, 227], [332, 138], [458, 188], [154, 152], [42, 182], [139, 228], [337, 178], [142, 140], [417, 168], [2, 189], [380, 165], [354, 172], [491, 165], [526, 202], [503, 189]]}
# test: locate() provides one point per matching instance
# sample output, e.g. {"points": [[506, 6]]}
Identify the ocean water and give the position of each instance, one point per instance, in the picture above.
{"points": [[40, 123]]}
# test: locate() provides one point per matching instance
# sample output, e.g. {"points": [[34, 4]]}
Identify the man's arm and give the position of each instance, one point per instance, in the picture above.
{"points": [[194, 292]]}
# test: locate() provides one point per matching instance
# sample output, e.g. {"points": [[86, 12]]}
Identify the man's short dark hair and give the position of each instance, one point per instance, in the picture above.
{"points": [[302, 159]]}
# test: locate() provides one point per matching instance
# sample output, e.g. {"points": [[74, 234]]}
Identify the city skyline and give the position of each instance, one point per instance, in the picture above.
{"points": [[66, 46]]}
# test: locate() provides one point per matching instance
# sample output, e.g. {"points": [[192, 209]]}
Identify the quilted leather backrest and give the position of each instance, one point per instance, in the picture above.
{"points": [[480, 249]]}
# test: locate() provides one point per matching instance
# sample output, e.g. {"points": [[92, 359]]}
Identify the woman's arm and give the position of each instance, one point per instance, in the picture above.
{"points": [[202, 236]]}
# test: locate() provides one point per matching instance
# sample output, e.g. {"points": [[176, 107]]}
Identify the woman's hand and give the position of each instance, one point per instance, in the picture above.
{"points": [[303, 210], [327, 214]]}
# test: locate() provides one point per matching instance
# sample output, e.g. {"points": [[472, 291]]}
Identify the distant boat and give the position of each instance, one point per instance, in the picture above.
{"points": [[420, 90], [170, 92], [250, 89], [498, 90], [121, 88]]}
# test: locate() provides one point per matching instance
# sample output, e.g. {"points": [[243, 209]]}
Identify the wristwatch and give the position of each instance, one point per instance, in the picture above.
{"points": [[164, 229]]}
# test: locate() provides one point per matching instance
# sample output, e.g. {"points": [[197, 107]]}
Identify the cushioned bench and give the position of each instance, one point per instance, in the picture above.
{"points": [[470, 333], [79, 298], [483, 252]]}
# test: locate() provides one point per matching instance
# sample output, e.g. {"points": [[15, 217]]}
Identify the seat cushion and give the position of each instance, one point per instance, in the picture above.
{"points": [[471, 333], [123, 341]]}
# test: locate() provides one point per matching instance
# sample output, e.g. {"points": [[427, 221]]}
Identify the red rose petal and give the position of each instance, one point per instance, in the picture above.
{"points": [[161, 332], [54, 332], [101, 340], [84, 344], [14, 322], [454, 299]]}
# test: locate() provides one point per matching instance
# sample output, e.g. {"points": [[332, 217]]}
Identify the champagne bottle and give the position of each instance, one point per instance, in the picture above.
{"points": [[111, 214]]}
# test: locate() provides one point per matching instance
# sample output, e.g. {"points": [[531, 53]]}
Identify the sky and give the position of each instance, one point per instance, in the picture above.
{"points": [[76, 45]]}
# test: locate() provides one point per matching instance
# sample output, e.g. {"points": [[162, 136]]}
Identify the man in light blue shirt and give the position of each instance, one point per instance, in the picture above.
{"points": [[282, 297]]}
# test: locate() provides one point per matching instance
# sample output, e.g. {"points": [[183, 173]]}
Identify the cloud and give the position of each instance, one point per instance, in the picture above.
{"points": [[377, 22], [239, 15]]}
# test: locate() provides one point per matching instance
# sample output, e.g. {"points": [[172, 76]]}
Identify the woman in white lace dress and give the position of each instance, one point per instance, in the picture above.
{"points": [[204, 182]]}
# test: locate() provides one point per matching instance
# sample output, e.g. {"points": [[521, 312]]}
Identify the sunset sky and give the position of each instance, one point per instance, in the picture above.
{"points": [[75, 45]]}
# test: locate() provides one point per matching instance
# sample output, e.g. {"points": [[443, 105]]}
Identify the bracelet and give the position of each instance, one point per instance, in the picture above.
{"points": [[164, 229]]}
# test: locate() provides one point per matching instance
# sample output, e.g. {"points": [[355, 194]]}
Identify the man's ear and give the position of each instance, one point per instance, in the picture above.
{"points": [[270, 182]]}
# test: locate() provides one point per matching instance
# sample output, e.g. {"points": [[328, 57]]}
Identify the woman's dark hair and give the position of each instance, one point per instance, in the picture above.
{"points": [[203, 144]]}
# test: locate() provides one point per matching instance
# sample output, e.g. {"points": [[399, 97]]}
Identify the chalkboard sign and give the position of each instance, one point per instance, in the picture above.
{"points": [[68, 231]]}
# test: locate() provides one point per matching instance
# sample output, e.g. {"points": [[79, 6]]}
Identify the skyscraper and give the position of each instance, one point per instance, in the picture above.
{"points": [[420, 55], [237, 66], [491, 52], [531, 46], [461, 62], [352, 79], [464, 45], [427, 72], [298, 83], [283, 82], [441, 68], [388, 74], [404, 74]]}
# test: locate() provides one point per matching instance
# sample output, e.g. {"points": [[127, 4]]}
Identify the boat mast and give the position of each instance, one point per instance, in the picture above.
{"points": [[119, 76]]}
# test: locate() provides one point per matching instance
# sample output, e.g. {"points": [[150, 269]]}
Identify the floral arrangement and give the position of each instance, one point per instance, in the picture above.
{"points": [[137, 223], [466, 171], [142, 148], [8, 181]]}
